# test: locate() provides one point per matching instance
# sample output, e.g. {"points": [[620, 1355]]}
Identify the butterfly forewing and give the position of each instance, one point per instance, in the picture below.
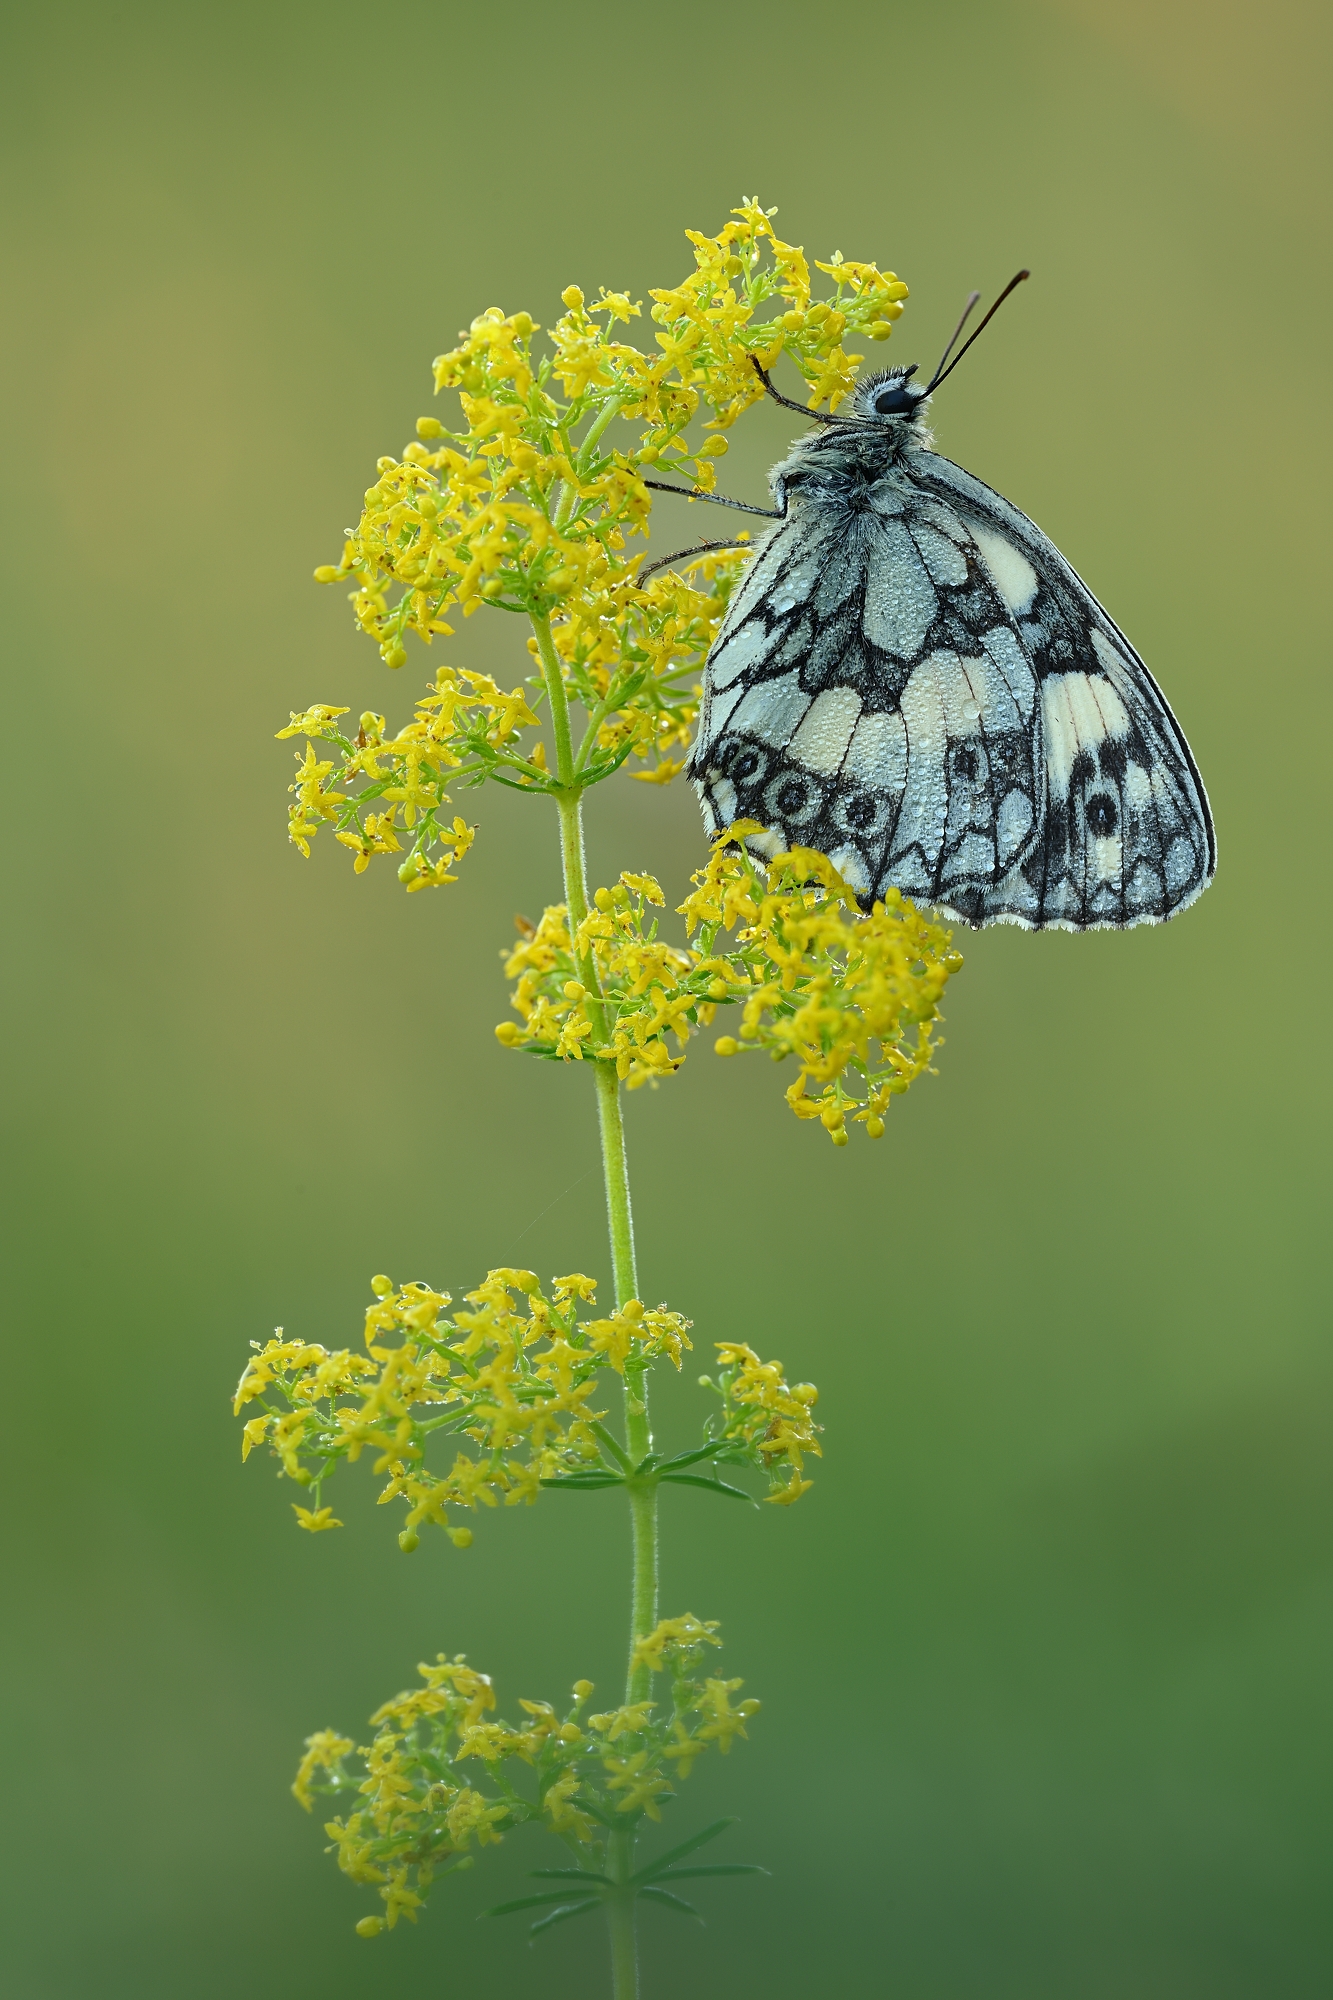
{"points": [[911, 679]]}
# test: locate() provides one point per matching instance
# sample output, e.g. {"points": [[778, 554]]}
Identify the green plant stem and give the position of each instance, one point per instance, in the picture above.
{"points": [[619, 1218], [620, 1914], [620, 1223], [559, 700]]}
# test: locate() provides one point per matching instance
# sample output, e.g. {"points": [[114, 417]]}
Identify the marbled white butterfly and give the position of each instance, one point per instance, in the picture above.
{"points": [[912, 679]]}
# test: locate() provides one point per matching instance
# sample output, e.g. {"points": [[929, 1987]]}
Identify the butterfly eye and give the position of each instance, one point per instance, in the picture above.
{"points": [[891, 402]]}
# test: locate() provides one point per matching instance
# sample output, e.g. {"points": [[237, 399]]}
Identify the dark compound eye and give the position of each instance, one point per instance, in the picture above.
{"points": [[1102, 815], [892, 402]]}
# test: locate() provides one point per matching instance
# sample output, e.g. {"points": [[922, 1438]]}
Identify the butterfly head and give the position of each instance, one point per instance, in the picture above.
{"points": [[888, 398]]}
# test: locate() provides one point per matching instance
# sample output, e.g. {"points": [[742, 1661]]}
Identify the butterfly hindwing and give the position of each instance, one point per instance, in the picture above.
{"points": [[915, 682], [1124, 834]]}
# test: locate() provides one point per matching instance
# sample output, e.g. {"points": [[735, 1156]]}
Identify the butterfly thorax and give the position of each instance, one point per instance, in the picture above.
{"points": [[846, 459]]}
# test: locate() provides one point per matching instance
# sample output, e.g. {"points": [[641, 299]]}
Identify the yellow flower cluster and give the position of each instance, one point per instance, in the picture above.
{"points": [[614, 989], [512, 1373], [417, 1813], [765, 1419], [714, 320], [527, 507], [464, 730], [838, 990], [813, 978]]}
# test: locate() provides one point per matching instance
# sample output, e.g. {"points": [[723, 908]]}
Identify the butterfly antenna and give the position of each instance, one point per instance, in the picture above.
{"points": [[972, 299], [812, 416], [942, 372]]}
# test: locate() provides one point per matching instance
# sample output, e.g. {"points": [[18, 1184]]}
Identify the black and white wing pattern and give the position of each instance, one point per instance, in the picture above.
{"points": [[912, 679]]}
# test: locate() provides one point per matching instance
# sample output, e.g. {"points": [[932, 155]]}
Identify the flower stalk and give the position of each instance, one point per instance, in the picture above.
{"points": [[529, 506]]}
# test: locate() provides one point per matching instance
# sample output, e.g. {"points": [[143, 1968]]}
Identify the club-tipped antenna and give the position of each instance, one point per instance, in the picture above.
{"points": [[942, 372]]}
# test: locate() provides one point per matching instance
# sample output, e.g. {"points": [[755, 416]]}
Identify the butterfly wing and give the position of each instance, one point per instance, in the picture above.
{"points": [[1124, 834], [920, 686]]}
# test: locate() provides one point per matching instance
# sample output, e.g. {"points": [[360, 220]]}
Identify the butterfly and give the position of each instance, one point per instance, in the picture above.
{"points": [[911, 679]]}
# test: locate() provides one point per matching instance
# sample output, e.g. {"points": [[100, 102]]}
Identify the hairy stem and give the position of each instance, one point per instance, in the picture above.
{"points": [[619, 1219], [620, 1223], [620, 1913], [559, 700]]}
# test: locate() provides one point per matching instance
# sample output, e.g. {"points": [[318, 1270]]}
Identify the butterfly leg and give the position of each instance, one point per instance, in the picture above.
{"points": [[801, 409], [718, 499], [700, 549]]}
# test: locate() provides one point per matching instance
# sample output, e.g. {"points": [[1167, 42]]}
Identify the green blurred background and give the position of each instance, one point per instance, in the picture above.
{"points": [[1044, 1658]]}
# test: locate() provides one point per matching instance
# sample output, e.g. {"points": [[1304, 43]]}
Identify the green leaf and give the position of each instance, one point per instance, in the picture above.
{"points": [[570, 1875], [684, 1458], [693, 1479], [560, 1916], [586, 1482], [609, 1443], [675, 1854], [716, 1868], [528, 1903], [673, 1902]]}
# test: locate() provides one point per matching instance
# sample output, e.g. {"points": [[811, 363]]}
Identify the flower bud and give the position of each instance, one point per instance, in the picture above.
{"points": [[508, 1034], [572, 990], [582, 1689], [461, 1537], [429, 427], [839, 1137], [714, 447], [726, 1045], [396, 656], [572, 297], [370, 1927], [326, 573], [649, 454], [409, 1540], [428, 506], [874, 1128], [381, 1286], [523, 324]]}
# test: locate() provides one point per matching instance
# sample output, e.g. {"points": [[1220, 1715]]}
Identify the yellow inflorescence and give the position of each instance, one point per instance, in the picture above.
{"points": [[531, 504], [768, 1415], [512, 1373], [511, 508], [852, 998], [415, 1813]]}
